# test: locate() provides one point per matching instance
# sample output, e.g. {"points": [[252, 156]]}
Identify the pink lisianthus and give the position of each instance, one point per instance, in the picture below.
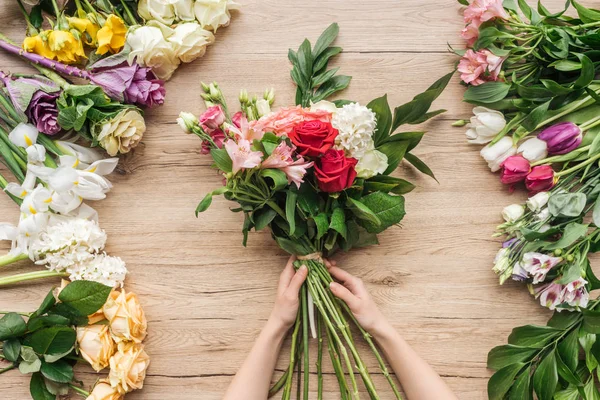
{"points": [[241, 155], [485, 10], [212, 118], [218, 137], [479, 67], [282, 122], [281, 158]]}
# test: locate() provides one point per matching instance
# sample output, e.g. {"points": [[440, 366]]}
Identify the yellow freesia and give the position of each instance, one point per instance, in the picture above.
{"points": [[66, 47], [87, 28], [38, 44], [112, 35]]}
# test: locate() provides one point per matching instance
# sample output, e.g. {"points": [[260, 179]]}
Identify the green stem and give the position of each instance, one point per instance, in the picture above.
{"points": [[9, 259], [8, 368], [578, 166], [305, 340], [590, 124], [279, 384], [552, 159], [30, 276], [337, 365], [79, 390], [132, 19], [288, 384], [319, 363]]}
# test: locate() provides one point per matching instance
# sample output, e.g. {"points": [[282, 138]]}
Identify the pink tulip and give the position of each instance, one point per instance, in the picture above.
{"points": [[540, 179], [241, 155], [514, 169]]}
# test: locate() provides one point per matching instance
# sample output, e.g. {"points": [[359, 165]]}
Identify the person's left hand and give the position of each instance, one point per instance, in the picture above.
{"points": [[287, 301]]}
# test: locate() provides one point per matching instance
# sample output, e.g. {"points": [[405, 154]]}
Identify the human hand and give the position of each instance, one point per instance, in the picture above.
{"points": [[353, 292], [287, 301]]}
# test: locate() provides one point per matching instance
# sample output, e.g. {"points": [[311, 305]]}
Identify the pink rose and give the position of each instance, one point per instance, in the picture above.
{"points": [[213, 117], [282, 122], [479, 67], [218, 136]]}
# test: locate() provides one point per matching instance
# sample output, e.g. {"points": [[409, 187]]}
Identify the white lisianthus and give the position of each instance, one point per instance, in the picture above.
{"points": [[23, 135], [189, 41], [501, 261], [535, 203], [149, 48], [121, 133], [372, 163], [263, 107], [355, 124], [533, 149], [184, 10], [102, 268], [212, 14], [324, 105], [485, 125], [162, 11], [543, 215], [497, 153], [513, 212], [187, 121]]}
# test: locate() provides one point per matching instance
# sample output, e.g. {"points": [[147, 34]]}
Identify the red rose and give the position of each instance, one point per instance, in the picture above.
{"points": [[334, 171], [313, 138]]}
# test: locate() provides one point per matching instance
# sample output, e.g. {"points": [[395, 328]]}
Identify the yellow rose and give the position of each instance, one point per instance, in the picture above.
{"points": [[112, 35], [125, 316], [128, 367], [38, 45], [86, 27], [103, 391], [65, 46], [122, 133], [96, 345]]}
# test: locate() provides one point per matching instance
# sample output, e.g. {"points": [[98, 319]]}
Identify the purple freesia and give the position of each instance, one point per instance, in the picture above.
{"points": [[43, 112], [562, 138]]}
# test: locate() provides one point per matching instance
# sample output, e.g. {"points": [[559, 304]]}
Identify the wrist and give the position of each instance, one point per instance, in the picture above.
{"points": [[276, 328], [384, 331]]}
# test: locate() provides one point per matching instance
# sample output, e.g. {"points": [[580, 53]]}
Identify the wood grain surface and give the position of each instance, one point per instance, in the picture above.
{"points": [[207, 297]]}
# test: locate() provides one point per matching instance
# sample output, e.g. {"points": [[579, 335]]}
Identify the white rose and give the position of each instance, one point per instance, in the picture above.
{"points": [[485, 125], [372, 163], [323, 105], [150, 48], [497, 153], [535, 203], [158, 10], [212, 14], [513, 212], [184, 10], [189, 41], [533, 149]]}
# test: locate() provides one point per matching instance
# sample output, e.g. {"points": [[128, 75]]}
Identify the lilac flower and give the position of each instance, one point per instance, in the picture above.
{"points": [[145, 89], [562, 138], [563, 297], [538, 265], [43, 112]]}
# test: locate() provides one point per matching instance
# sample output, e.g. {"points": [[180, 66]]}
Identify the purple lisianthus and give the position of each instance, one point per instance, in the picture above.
{"points": [[43, 112], [145, 89]]}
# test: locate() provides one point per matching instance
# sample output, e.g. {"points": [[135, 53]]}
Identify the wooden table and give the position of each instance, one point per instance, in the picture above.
{"points": [[207, 297]]}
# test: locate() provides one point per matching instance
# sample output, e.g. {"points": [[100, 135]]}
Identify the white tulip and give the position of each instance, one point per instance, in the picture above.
{"points": [[189, 41], [212, 14], [485, 125], [150, 48], [535, 203], [533, 149], [372, 163], [497, 153], [158, 10], [184, 10], [513, 212], [24, 135]]}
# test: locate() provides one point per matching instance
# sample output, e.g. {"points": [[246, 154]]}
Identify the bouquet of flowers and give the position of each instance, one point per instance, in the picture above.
{"points": [[81, 321], [318, 175], [532, 76]]}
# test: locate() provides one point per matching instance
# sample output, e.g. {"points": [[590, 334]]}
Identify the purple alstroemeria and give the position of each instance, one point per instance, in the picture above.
{"points": [[43, 112], [562, 138]]}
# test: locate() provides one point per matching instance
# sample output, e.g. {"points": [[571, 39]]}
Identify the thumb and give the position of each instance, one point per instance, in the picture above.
{"points": [[298, 280], [344, 294]]}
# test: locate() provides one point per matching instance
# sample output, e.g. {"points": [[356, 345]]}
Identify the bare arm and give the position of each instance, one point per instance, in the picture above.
{"points": [[418, 379], [251, 382]]}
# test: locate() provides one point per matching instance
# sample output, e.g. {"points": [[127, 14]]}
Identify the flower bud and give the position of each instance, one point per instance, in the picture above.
{"points": [[558, 252], [205, 87], [270, 96], [187, 121], [513, 212], [570, 258], [214, 91], [243, 96], [537, 202], [562, 138], [541, 178], [263, 107], [514, 169]]}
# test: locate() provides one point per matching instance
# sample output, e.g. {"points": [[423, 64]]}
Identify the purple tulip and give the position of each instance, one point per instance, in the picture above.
{"points": [[43, 112], [562, 138]]}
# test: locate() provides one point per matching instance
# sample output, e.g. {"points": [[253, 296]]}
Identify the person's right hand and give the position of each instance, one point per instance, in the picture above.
{"points": [[353, 292]]}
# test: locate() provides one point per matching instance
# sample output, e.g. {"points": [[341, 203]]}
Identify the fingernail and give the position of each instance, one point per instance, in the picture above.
{"points": [[332, 285], [303, 268]]}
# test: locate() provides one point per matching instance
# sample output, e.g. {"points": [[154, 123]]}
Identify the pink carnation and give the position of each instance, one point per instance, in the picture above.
{"points": [[282, 122], [480, 67], [484, 10]]}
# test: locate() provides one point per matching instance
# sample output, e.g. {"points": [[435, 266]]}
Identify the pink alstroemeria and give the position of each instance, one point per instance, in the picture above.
{"points": [[563, 297], [241, 155], [485, 10], [241, 128], [538, 265], [479, 67], [470, 33], [281, 158]]}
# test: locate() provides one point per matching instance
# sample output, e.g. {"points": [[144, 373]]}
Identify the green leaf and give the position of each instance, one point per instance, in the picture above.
{"points": [[565, 372], [204, 204], [361, 211], [28, 354], [501, 356], [395, 152], [52, 340], [11, 349], [263, 217], [521, 387], [596, 213], [86, 297], [48, 302], [545, 377], [222, 160], [590, 390], [586, 15], [322, 224], [501, 382], [588, 72], [59, 371], [292, 247], [26, 367], [325, 40], [290, 210], [277, 176], [324, 58], [35, 323], [568, 350], [489, 92], [35, 16], [305, 60], [567, 204], [420, 165], [532, 336], [324, 77], [591, 321], [573, 232], [536, 116], [382, 110], [388, 209], [338, 222], [333, 85], [38, 390], [570, 393], [12, 325], [388, 184]]}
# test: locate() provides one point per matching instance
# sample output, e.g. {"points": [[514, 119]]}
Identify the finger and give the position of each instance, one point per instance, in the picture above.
{"points": [[348, 280], [344, 294], [297, 281], [286, 275], [329, 263]]}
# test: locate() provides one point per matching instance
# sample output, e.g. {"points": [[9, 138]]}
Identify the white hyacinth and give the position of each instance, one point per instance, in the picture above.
{"points": [[68, 243], [356, 125], [102, 268]]}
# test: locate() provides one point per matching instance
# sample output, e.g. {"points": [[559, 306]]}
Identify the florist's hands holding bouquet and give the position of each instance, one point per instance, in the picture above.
{"points": [[286, 304]]}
